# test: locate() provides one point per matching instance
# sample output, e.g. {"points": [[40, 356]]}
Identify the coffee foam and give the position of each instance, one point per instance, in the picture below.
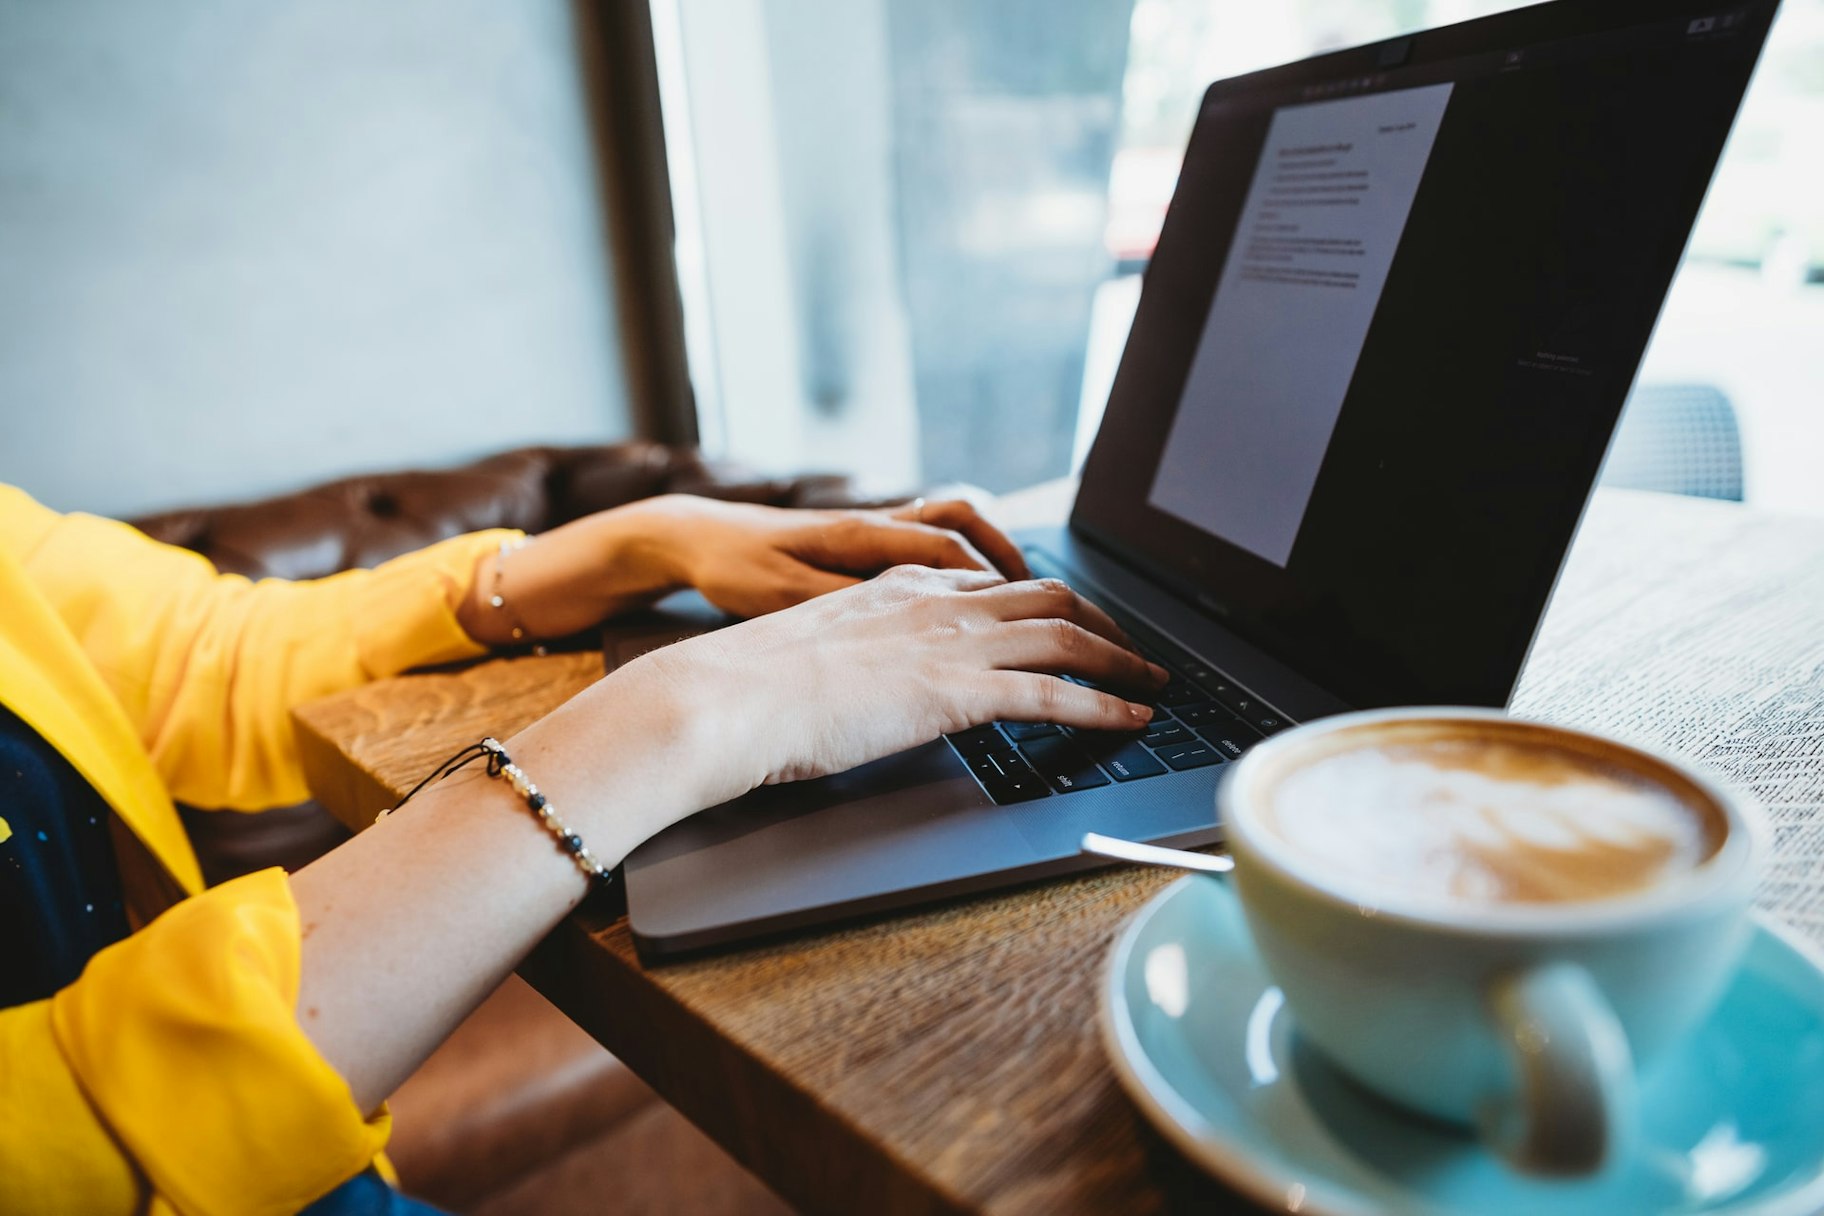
{"points": [[1489, 820]]}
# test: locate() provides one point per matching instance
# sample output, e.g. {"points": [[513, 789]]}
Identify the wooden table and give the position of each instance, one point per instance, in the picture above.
{"points": [[947, 1060]]}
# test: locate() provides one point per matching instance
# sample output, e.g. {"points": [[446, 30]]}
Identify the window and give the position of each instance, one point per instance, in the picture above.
{"points": [[916, 226]]}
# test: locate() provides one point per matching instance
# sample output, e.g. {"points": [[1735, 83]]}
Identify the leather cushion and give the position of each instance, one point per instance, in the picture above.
{"points": [[364, 520]]}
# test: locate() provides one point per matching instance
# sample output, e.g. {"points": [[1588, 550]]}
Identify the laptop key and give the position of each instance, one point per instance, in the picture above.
{"points": [[1240, 702], [1181, 692], [1203, 714], [1231, 736], [1195, 754], [1017, 784], [1268, 723], [1228, 742], [1120, 754], [1207, 695], [1254, 712], [1247, 732], [1130, 762], [1064, 765], [987, 766], [1019, 732], [977, 741], [1164, 734]]}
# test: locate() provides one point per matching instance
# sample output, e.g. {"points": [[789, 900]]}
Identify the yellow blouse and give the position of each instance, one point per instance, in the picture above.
{"points": [[172, 1075]]}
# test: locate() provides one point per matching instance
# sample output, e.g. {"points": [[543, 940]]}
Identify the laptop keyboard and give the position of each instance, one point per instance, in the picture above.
{"points": [[1201, 717]]}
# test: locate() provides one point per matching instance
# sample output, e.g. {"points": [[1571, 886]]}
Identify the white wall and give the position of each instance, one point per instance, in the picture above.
{"points": [[244, 247]]}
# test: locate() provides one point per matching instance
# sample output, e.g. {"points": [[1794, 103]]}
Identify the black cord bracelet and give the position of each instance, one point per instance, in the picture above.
{"points": [[501, 765]]}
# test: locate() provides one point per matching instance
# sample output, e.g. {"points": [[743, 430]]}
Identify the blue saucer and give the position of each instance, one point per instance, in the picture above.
{"points": [[1201, 1041]]}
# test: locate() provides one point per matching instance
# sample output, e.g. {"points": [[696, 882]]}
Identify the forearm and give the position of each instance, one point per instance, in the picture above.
{"points": [[411, 924], [746, 559], [407, 927], [577, 574]]}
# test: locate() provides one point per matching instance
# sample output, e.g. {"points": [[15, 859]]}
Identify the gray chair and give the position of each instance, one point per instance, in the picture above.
{"points": [[1679, 439]]}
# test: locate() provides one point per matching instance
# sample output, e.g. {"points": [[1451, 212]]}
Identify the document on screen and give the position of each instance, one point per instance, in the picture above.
{"points": [[1317, 234]]}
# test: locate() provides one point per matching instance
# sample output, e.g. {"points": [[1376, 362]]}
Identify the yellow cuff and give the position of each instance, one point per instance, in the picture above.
{"points": [[185, 1040], [405, 609]]}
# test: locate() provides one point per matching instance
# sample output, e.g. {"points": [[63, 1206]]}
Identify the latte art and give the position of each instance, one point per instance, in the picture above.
{"points": [[1486, 820]]}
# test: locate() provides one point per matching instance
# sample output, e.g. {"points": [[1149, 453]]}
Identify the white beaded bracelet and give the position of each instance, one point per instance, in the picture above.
{"points": [[501, 765]]}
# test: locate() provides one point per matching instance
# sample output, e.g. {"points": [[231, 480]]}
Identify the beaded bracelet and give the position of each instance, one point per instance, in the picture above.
{"points": [[501, 765]]}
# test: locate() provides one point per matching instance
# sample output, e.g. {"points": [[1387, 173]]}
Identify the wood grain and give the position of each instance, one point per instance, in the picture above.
{"points": [[941, 1062], [947, 1060], [363, 749]]}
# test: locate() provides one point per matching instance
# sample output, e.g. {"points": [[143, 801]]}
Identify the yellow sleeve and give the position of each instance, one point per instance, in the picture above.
{"points": [[175, 1067], [55, 1153], [208, 666]]}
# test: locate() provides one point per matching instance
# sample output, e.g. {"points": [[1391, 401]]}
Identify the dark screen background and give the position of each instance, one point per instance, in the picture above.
{"points": [[1551, 216]]}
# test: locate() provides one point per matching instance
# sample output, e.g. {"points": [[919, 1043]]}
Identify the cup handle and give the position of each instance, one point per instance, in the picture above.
{"points": [[1573, 1104]]}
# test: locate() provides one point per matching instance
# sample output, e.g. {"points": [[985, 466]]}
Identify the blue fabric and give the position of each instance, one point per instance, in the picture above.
{"points": [[368, 1195], [60, 897]]}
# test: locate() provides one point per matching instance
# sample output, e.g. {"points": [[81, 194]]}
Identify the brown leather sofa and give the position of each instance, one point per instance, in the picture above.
{"points": [[519, 1111], [362, 521]]}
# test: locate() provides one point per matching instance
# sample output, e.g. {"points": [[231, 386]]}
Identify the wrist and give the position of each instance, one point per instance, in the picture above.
{"points": [[625, 759], [485, 623], [654, 541], [575, 575]]}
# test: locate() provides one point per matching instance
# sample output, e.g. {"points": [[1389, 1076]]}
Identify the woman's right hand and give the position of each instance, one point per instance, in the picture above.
{"points": [[881, 667], [906, 657], [411, 923]]}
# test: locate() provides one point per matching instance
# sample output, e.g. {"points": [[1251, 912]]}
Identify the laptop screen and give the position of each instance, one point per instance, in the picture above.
{"points": [[1395, 309]]}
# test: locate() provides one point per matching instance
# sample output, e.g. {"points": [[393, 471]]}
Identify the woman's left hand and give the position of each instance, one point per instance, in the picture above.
{"points": [[749, 560], [745, 559]]}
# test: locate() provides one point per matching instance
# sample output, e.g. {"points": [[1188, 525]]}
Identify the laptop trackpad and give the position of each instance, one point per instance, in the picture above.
{"points": [[908, 821]]}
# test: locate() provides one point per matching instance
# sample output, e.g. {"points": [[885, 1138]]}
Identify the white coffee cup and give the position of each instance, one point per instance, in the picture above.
{"points": [[1448, 985]]}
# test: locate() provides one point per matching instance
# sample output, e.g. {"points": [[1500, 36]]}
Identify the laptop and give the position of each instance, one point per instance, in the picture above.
{"points": [[1398, 301]]}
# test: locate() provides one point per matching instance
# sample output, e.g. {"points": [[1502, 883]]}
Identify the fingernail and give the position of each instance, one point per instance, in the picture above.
{"points": [[1140, 713], [1159, 673]]}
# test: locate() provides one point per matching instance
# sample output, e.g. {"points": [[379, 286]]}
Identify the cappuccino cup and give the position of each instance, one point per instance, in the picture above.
{"points": [[1489, 921]]}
